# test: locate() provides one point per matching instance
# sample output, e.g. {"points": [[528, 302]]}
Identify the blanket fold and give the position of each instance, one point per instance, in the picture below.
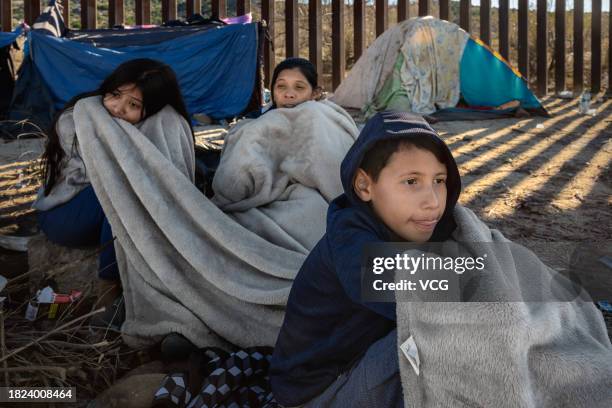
{"points": [[282, 168], [500, 353], [185, 265]]}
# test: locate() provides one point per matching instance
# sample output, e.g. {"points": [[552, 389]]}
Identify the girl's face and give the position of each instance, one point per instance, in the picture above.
{"points": [[292, 88], [125, 102]]}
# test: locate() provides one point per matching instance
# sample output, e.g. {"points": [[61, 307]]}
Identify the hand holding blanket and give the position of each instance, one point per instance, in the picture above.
{"points": [[284, 146], [284, 167]]}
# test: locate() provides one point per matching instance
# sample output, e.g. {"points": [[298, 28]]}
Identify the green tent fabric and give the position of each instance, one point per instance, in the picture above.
{"points": [[433, 67], [392, 96], [487, 80], [502, 84]]}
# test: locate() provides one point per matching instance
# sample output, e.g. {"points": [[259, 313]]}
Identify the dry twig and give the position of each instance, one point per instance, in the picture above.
{"points": [[78, 319]]}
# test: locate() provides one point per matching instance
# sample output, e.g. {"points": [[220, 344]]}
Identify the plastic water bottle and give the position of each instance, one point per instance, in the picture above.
{"points": [[21, 181], [267, 96], [585, 102]]}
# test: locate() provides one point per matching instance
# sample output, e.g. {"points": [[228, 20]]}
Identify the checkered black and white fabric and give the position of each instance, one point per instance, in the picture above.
{"points": [[232, 380]]}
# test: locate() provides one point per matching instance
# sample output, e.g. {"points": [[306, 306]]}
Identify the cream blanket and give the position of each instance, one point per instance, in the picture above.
{"points": [[428, 75], [185, 265], [505, 354]]}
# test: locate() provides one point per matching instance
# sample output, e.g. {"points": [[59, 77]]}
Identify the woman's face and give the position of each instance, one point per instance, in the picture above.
{"points": [[125, 102], [291, 88]]}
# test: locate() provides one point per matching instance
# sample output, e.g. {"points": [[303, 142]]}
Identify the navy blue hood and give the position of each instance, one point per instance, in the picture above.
{"points": [[401, 125]]}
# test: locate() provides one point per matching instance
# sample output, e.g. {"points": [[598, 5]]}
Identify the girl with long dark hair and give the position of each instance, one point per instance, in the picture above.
{"points": [[69, 212]]}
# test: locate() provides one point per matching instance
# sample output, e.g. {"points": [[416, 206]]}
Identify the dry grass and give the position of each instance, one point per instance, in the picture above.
{"points": [[542, 179], [61, 352]]}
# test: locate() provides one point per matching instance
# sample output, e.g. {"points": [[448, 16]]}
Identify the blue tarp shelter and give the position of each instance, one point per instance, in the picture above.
{"points": [[217, 66], [7, 74], [7, 39]]}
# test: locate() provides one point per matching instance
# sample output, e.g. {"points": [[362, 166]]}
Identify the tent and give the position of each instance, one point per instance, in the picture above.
{"points": [[433, 67], [7, 74], [217, 65]]}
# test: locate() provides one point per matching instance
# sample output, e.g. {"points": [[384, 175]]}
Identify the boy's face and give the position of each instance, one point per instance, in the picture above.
{"points": [[409, 195]]}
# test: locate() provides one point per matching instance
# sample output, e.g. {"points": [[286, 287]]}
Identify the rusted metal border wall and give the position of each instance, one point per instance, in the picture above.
{"points": [[339, 18]]}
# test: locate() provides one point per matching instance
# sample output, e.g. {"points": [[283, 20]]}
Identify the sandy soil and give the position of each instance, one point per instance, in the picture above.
{"points": [[536, 179], [18, 185], [545, 182], [539, 178]]}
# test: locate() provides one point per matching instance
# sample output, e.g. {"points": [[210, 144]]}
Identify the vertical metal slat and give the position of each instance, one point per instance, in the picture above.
{"points": [[267, 14], [88, 14], [504, 42], [403, 10], [523, 37], [485, 21], [542, 52], [359, 24], [444, 9], [596, 47], [423, 7], [578, 46], [6, 8], [143, 11], [464, 14], [559, 45], [338, 58], [219, 8], [115, 12], [292, 48], [382, 12], [243, 7], [315, 35]]}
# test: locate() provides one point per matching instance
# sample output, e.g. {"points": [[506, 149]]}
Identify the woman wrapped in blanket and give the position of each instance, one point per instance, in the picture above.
{"points": [[69, 212], [287, 158], [294, 81]]}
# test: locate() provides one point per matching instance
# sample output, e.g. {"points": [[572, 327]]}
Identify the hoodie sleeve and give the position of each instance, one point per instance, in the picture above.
{"points": [[346, 245]]}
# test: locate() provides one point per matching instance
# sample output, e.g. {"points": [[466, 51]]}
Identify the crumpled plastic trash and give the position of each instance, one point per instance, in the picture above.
{"points": [[51, 302]]}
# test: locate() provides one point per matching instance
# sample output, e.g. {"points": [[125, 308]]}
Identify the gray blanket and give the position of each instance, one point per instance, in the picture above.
{"points": [[185, 265], [73, 176], [278, 173], [505, 354]]}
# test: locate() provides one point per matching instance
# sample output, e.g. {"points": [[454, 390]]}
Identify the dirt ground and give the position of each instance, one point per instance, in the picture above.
{"points": [[539, 178], [544, 182], [536, 179], [18, 185]]}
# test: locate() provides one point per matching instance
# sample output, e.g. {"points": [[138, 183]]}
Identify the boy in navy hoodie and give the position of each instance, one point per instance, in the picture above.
{"points": [[401, 183]]}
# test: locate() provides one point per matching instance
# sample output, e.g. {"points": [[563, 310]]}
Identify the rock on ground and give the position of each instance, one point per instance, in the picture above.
{"points": [[136, 391]]}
